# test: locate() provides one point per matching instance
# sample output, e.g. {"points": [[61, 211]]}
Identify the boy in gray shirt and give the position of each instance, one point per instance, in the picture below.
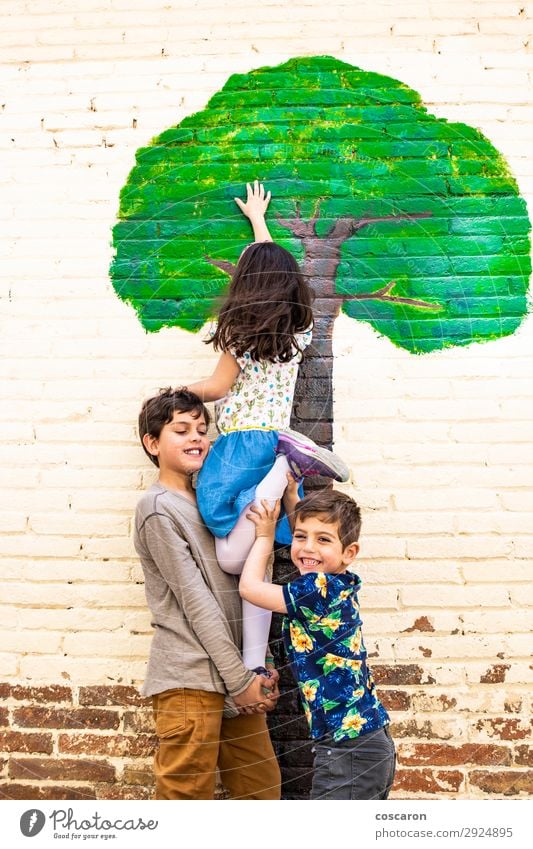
{"points": [[209, 708]]}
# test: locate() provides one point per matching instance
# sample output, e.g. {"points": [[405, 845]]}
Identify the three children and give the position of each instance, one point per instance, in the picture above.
{"points": [[209, 703]]}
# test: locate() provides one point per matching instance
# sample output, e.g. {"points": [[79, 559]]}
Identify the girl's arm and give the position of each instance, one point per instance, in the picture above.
{"points": [[254, 208], [252, 585], [220, 382]]}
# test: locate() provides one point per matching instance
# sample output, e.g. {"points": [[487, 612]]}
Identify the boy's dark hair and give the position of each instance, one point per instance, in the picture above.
{"points": [[335, 508], [268, 303], [159, 410]]}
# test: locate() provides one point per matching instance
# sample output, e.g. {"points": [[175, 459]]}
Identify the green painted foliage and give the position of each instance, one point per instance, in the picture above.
{"points": [[362, 145]]}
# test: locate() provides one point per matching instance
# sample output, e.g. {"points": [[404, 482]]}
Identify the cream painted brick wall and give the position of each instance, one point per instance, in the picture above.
{"points": [[441, 446]]}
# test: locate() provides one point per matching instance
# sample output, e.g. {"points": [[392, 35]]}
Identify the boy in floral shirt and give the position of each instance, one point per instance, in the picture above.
{"points": [[354, 753]]}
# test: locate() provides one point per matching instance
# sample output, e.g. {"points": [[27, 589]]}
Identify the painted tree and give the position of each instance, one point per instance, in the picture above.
{"points": [[399, 219]]}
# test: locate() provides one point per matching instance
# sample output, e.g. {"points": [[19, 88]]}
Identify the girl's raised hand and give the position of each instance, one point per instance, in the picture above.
{"points": [[256, 202]]}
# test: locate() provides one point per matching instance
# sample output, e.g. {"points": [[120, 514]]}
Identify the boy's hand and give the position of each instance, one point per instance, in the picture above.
{"points": [[275, 693], [291, 497], [256, 202], [259, 697], [264, 518]]}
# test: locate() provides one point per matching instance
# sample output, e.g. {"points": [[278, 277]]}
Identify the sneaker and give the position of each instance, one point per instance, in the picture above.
{"points": [[306, 458]]}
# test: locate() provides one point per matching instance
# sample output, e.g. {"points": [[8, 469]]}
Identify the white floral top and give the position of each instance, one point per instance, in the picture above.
{"points": [[261, 396]]}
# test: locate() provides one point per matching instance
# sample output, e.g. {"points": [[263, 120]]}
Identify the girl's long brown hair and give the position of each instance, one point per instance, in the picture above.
{"points": [[268, 303]]}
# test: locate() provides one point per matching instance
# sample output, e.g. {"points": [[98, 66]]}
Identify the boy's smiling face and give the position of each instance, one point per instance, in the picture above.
{"points": [[182, 445], [316, 547]]}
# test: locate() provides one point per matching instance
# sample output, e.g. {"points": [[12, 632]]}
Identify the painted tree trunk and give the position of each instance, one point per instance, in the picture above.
{"points": [[313, 401]]}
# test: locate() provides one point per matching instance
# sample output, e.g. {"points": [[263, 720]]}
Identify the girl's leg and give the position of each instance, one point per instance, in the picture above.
{"points": [[233, 550], [255, 620], [274, 483], [255, 630]]}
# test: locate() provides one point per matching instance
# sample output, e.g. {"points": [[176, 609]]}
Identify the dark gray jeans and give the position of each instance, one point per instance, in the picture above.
{"points": [[362, 768]]}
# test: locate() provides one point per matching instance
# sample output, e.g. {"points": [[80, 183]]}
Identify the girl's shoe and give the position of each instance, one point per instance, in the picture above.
{"points": [[306, 458]]}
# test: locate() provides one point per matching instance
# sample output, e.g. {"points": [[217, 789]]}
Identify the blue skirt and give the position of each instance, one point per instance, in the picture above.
{"points": [[227, 481]]}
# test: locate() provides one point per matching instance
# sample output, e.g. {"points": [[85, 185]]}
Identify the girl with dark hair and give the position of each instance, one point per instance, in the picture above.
{"points": [[263, 328]]}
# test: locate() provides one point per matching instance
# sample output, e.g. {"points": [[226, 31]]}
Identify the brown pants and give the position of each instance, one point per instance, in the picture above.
{"points": [[195, 738]]}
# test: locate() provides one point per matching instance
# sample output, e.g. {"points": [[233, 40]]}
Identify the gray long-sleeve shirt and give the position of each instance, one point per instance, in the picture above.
{"points": [[195, 606]]}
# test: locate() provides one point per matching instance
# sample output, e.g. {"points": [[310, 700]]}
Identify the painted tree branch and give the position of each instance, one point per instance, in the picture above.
{"points": [[300, 228], [346, 227], [383, 295], [223, 264], [323, 254]]}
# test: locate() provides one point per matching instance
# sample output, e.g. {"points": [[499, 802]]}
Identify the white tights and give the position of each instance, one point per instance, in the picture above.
{"points": [[232, 552]]}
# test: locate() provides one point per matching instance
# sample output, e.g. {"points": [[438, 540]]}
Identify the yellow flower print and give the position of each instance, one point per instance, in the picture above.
{"points": [[312, 618], [334, 660], [355, 665], [357, 694], [345, 594], [328, 622], [309, 690], [307, 714], [300, 640], [355, 642], [353, 722], [321, 584], [330, 662]]}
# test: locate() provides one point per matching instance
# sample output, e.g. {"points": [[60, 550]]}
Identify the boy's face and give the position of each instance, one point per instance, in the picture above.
{"points": [[316, 547], [182, 445]]}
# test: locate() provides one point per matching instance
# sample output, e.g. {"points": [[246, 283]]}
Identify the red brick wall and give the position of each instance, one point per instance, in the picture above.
{"points": [[62, 742], [75, 743]]}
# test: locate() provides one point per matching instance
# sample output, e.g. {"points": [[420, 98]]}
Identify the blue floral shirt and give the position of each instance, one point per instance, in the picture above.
{"points": [[324, 644]]}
